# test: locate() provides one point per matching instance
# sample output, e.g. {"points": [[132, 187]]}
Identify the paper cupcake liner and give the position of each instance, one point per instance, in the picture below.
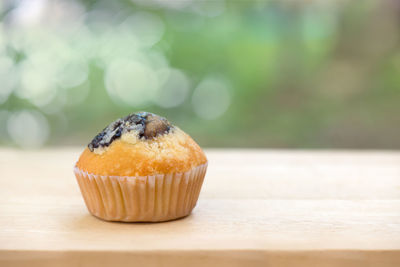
{"points": [[141, 198]]}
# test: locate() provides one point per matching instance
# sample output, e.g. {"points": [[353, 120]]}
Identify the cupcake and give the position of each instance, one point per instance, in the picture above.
{"points": [[141, 168]]}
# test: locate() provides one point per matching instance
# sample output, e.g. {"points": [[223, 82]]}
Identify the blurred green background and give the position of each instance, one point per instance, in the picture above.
{"points": [[278, 74]]}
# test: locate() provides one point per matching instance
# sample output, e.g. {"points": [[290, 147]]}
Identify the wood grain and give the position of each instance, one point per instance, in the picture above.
{"points": [[257, 208]]}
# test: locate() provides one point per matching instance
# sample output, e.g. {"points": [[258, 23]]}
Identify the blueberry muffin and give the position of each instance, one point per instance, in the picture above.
{"points": [[141, 168]]}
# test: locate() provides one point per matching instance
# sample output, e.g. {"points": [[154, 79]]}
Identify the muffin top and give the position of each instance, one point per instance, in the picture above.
{"points": [[143, 124], [141, 144]]}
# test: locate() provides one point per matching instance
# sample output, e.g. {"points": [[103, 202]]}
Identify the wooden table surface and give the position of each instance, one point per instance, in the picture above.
{"points": [[257, 208]]}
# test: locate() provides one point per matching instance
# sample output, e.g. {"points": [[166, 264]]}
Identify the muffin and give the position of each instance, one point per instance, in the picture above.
{"points": [[141, 168]]}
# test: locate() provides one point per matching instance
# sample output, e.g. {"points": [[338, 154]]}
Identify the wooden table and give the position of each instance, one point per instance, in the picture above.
{"points": [[257, 208]]}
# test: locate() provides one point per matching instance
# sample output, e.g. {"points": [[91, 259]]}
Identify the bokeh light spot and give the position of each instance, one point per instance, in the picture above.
{"points": [[174, 89], [72, 74], [36, 85], [28, 128], [130, 82], [147, 27], [211, 98]]}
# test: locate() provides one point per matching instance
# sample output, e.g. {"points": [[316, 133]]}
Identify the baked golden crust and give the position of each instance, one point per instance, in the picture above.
{"points": [[129, 156]]}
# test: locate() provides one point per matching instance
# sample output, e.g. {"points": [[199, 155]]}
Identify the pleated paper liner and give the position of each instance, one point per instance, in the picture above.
{"points": [[141, 198]]}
